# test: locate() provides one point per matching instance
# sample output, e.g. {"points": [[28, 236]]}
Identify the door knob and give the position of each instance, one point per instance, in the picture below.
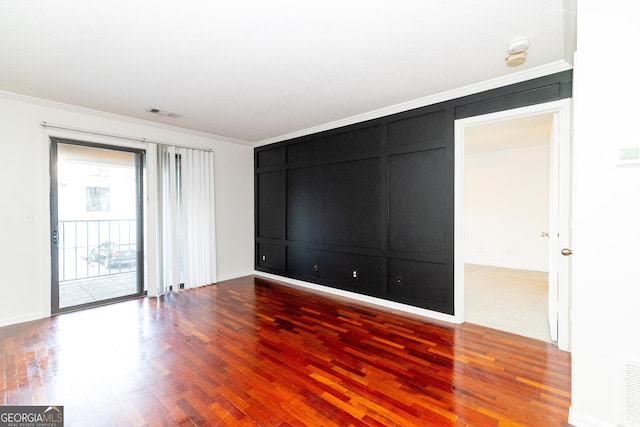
{"points": [[566, 252]]}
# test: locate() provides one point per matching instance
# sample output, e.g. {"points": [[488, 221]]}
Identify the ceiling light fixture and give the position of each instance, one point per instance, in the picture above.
{"points": [[517, 50], [164, 113]]}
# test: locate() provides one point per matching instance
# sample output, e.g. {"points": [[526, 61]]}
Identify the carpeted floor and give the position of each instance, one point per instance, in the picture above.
{"points": [[510, 300]]}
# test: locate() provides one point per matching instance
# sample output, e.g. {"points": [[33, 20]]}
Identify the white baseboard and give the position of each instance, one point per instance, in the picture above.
{"points": [[234, 276], [21, 319], [362, 298], [581, 420]]}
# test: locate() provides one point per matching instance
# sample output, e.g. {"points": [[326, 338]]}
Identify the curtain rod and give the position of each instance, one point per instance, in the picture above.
{"points": [[113, 135]]}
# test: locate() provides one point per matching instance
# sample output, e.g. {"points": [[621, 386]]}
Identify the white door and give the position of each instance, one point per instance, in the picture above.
{"points": [[560, 229], [563, 248], [554, 230]]}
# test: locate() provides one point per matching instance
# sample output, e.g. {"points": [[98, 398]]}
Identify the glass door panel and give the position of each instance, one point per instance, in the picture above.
{"points": [[96, 224]]}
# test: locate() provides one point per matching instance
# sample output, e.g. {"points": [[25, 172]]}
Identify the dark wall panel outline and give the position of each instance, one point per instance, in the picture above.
{"points": [[344, 208]]}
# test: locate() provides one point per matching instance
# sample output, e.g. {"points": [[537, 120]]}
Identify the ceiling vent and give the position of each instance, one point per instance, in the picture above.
{"points": [[160, 112]]}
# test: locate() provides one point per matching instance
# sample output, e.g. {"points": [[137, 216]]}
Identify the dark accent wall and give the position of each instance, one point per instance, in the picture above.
{"points": [[369, 207]]}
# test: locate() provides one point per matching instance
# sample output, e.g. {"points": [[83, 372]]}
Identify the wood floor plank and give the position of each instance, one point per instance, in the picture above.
{"points": [[253, 352]]}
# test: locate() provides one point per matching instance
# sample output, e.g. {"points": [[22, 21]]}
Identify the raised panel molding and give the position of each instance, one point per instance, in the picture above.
{"points": [[418, 129], [338, 146], [267, 158], [353, 272], [336, 204], [419, 215], [420, 283], [270, 205], [368, 207]]}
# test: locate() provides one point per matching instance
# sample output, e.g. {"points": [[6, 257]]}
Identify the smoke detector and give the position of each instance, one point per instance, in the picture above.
{"points": [[517, 50]]}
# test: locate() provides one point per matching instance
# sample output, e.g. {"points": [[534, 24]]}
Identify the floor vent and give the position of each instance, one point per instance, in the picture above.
{"points": [[631, 393]]}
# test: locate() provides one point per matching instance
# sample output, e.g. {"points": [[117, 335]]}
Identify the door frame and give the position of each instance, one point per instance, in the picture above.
{"points": [[562, 109], [53, 215]]}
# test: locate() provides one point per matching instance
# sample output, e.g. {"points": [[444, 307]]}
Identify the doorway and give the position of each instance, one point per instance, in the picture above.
{"points": [[96, 224], [506, 180], [512, 208]]}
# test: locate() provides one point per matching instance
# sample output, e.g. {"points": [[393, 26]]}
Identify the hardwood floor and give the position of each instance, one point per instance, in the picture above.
{"points": [[253, 352]]}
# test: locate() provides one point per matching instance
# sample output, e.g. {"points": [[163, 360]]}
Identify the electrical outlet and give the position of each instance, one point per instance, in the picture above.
{"points": [[354, 274], [399, 280], [27, 216], [264, 257]]}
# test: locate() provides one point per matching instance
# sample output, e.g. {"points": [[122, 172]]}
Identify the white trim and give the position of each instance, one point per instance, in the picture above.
{"points": [[21, 319], [565, 206], [361, 298], [458, 221], [552, 68], [103, 114], [563, 107], [234, 276], [533, 73], [581, 420]]}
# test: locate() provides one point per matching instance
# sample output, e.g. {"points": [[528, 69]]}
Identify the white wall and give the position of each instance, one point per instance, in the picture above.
{"points": [[606, 260], [506, 207], [24, 190]]}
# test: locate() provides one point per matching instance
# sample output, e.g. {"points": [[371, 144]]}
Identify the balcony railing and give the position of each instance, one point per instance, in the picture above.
{"points": [[94, 248]]}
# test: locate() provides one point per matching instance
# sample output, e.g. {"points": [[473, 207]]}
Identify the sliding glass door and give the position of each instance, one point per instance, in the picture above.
{"points": [[96, 224]]}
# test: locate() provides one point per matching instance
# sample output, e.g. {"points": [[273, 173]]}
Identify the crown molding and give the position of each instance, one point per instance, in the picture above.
{"points": [[519, 77], [103, 114]]}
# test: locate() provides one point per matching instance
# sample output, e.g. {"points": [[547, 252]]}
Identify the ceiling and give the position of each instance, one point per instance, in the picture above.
{"points": [[256, 71], [519, 132]]}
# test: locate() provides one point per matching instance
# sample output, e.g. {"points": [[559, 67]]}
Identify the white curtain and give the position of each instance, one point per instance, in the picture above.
{"points": [[181, 218], [198, 218]]}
